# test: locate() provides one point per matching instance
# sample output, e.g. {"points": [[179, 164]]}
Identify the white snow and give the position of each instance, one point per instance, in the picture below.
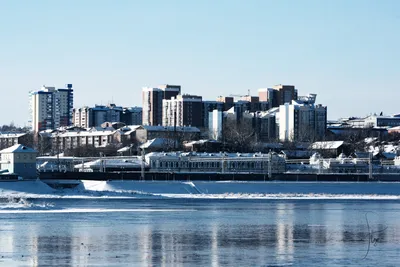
{"points": [[14, 193]]}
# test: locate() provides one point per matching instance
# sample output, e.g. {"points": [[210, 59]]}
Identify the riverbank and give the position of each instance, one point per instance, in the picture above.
{"points": [[200, 189]]}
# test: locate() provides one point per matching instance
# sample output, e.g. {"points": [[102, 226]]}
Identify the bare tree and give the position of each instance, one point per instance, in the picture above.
{"points": [[238, 136]]}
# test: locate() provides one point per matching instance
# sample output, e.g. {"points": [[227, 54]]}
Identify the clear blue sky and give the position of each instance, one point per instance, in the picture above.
{"points": [[346, 51]]}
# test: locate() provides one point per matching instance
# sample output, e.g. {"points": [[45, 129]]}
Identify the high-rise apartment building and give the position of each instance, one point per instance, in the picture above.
{"points": [[285, 93], [51, 108], [277, 95], [152, 100], [184, 110], [300, 121], [95, 116], [132, 116]]}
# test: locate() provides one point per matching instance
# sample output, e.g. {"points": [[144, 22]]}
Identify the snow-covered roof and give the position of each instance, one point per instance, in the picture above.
{"points": [[101, 129], [84, 133], [389, 155], [124, 149], [200, 142], [297, 153], [11, 134], [157, 143], [128, 129], [18, 148], [121, 163], [171, 128], [326, 145], [206, 155]]}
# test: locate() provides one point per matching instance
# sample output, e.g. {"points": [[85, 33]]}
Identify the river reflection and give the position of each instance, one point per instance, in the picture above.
{"points": [[204, 233]]}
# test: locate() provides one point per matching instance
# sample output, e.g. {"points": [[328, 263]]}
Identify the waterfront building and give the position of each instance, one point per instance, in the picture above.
{"points": [[216, 162], [152, 102], [300, 121], [51, 108], [183, 110], [19, 159]]}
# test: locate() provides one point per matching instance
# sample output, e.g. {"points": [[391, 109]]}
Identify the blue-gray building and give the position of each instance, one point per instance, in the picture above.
{"points": [[20, 160]]}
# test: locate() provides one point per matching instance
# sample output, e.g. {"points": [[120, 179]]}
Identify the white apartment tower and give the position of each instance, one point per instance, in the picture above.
{"points": [[51, 108], [302, 121]]}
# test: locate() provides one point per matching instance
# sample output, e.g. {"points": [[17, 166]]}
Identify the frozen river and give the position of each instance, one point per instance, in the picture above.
{"points": [[199, 232]]}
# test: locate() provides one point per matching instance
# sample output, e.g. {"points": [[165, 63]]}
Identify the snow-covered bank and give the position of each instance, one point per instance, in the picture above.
{"points": [[203, 189], [237, 187]]}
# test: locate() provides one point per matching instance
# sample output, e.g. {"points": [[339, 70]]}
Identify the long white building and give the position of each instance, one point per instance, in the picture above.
{"points": [[51, 108]]}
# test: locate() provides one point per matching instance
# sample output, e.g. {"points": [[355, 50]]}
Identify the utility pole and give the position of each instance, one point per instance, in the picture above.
{"points": [[58, 152], [269, 165], [370, 166], [142, 165]]}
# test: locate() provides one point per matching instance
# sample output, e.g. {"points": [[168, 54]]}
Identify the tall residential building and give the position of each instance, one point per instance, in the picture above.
{"points": [[81, 117], [207, 107], [301, 121], [285, 93], [184, 110], [51, 108], [277, 95], [95, 116], [215, 121], [132, 116], [152, 102], [227, 100]]}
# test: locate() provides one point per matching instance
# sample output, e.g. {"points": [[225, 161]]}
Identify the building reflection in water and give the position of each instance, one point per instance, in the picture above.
{"points": [[274, 236], [284, 232]]}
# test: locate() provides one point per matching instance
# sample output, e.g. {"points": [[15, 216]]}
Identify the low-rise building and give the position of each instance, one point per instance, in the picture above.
{"points": [[9, 139], [216, 162], [72, 139], [186, 133], [20, 160]]}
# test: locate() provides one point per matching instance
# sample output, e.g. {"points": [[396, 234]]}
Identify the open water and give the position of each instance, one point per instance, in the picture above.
{"points": [[199, 232]]}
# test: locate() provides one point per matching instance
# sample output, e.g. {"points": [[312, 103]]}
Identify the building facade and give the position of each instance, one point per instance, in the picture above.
{"points": [[277, 95], [20, 160], [152, 102], [302, 122], [51, 108], [132, 116], [10, 138], [95, 116], [183, 110]]}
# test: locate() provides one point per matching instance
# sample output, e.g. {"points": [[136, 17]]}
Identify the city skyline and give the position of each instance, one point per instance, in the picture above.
{"points": [[344, 51]]}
